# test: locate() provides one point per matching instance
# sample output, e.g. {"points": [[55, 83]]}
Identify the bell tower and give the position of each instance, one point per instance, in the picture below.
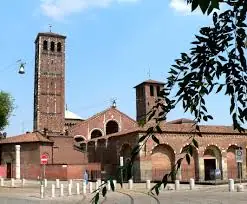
{"points": [[49, 83], [146, 94]]}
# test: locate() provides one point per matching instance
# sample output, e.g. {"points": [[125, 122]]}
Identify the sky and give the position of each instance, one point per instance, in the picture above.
{"points": [[111, 45]]}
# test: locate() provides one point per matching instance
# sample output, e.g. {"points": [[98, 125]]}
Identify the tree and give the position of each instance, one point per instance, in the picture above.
{"points": [[6, 108], [215, 63]]}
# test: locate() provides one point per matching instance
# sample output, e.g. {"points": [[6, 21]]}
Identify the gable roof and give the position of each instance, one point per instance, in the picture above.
{"points": [[70, 115], [24, 138], [150, 81], [101, 113]]}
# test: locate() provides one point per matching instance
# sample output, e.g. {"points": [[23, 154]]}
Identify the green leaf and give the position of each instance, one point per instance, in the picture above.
{"points": [[104, 190], [194, 5], [210, 117], [112, 185], [204, 4], [142, 138], [155, 139], [188, 158], [157, 190], [195, 143], [96, 199], [219, 88], [158, 129]]}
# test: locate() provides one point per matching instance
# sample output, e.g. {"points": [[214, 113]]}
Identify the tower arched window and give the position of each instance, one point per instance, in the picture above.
{"points": [[111, 127], [52, 46], [59, 47], [45, 45]]}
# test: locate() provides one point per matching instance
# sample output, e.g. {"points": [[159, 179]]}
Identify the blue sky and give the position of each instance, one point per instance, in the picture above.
{"points": [[110, 46]]}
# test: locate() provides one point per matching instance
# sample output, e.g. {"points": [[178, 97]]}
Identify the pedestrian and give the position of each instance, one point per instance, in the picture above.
{"points": [[86, 177]]}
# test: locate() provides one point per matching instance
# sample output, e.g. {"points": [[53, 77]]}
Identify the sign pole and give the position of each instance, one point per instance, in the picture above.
{"points": [[121, 170]]}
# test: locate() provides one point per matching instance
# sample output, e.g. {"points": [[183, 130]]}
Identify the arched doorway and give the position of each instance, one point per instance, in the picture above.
{"points": [[125, 152], [189, 171], [233, 169], [112, 127], [212, 161], [163, 159], [96, 133]]}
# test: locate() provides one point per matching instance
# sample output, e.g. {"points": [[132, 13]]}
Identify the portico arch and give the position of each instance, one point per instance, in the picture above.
{"points": [[233, 169], [212, 160], [163, 159]]}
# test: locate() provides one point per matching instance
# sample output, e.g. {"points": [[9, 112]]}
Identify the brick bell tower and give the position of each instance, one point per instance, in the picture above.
{"points": [[146, 94], [49, 83]]}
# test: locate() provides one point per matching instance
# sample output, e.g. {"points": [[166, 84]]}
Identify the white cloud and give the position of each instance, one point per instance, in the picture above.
{"points": [[58, 9], [180, 6]]}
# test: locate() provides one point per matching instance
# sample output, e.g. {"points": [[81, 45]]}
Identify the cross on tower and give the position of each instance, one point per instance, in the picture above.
{"points": [[50, 26], [149, 73]]}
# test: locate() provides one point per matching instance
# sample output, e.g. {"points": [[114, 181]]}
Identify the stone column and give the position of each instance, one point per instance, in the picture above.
{"points": [[201, 169], [224, 175], [17, 162]]}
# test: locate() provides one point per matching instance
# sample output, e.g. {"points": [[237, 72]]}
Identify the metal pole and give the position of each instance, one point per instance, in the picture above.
{"points": [[240, 171]]}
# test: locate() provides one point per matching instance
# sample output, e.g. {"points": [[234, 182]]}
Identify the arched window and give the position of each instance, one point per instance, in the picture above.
{"points": [[52, 46], [59, 47], [111, 127], [96, 133], [45, 45]]}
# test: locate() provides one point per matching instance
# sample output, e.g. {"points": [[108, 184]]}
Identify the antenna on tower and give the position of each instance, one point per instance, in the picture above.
{"points": [[149, 73], [50, 26]]}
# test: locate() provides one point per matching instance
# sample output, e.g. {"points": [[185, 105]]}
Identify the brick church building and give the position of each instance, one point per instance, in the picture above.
{"points": [[96, 144]]}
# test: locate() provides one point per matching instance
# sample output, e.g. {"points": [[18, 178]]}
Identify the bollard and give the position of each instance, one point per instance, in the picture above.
{"points": [[57, 183], [231, 185], [52, 190], [240, 188], [99, 181], [69, 189], [77, 188], [23, 182], [108, 185], [130, 184], [41, 191], [45, 183], [12, 182], [84, 188], [177, 185], [192, 184], [96, 185], [90, 187], [148, 185], [61, 190], [71, 182], [2, 182], [115, 184]]}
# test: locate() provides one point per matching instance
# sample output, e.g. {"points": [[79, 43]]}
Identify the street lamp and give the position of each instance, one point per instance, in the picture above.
{"points": [[21, 68]]}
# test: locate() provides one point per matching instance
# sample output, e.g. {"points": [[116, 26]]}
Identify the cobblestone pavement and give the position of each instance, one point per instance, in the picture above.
{"points": [[201, 195]]}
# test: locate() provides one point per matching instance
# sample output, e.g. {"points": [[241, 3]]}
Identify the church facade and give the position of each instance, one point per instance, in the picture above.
{"points": [[73, 144]]}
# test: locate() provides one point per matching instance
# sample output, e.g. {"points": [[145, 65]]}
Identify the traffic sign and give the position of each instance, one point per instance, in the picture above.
{"points": [[239, 155], [44, 159]]}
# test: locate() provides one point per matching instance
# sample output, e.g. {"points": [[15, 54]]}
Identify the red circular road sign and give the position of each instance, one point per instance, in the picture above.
{"points": [[44, 159]]}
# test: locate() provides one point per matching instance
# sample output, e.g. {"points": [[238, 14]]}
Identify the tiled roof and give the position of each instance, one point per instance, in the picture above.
{"points": [[150, 81], [28, 137]]}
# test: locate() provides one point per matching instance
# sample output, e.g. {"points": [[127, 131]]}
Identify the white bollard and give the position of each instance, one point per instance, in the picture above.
{"points": [[61, 190], [148, 184], [53, 190], [96, 185], [115, 184], [84, 188], [2, 182], [90, 187], [71, 182], [77, 188], [192, 184], [12, 182], [57, 183], [130, 184], [45, 183], [108, 185], [99, 181], [42, 191], [23, 182], [177, 185], [231, 185], [69, 189], [240, 188]]}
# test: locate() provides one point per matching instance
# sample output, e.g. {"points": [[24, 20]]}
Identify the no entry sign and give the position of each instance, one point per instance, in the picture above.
{"points": [[239, 155], [44, 159]]}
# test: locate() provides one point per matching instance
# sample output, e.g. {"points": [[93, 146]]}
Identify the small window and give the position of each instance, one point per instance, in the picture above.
{"points": [[59, 47], [45, 45], [52, 46], [158, 91], [151, 90]]}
